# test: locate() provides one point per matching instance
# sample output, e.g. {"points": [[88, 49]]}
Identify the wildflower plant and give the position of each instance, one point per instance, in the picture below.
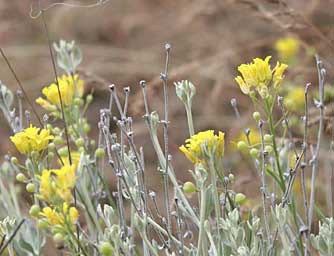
{"points": [[64, 172]]}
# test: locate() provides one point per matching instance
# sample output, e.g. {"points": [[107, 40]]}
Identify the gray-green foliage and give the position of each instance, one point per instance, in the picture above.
{"points": [[324, 241], [241, 238]]}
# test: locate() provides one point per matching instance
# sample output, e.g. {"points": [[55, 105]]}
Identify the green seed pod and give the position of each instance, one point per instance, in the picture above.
{"points": [[14, 160], [42, 224], [89, 98], [63, 152], [77, 101], [56, 130], [50, 156], [58, 140], [256, 116], [105, 248], [58, 237], [51, 146], [86, 128], [34, 210], [240, 198], [80, 142], [99, 153], [268, 148], [189, 187], [20, 177], [30, 187], [231, 177], [242, 146], [268, 138], [254, 152]]}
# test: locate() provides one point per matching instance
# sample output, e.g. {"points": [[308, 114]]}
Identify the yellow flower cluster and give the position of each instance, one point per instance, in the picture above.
{"points": [[295, 99], [258, 75], [207, 141], [31, 139], [69, 86], [55, 216], [287, 48], [57, 184]]}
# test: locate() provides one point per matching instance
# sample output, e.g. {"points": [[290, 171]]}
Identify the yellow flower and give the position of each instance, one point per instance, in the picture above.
{"points": [[52, 216], [287, 48], [75, 155], [31, 139], [65, 181], [58, 216], [278, 74], [57, 184], [258, 75], [46, 190], [69, 86], [196, 146], [295, 99]]}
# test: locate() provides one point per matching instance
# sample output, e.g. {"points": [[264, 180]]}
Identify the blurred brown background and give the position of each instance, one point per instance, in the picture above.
{"points": [[123, 42]]}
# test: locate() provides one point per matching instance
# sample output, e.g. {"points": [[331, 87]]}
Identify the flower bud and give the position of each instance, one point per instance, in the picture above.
{"points": [[256, 116], [99, 153], [80, 142], [77, 102], [30, 187], [58, 140], [231, 177], [58, 237], [189, 187], [34, 210], [105, 249], [63, 152], [51, 146], [254, 152], [89, 98], [268, 138], [56, 130], [14, 160], [242, 146], [240, 198], [86, 128], [185, 90], [42, 224], [268, 148], [50, 156], [20, 177]]}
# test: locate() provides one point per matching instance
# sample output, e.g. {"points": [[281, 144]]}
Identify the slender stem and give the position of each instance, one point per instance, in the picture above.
{"points": [[272, 131], [164, 78], [315, 156], [201, 237], [264, 185], [216, 203], [190, 120]]}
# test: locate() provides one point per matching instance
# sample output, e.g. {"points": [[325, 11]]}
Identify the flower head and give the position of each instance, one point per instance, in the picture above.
{"points": [[287, 48], [57, 184], [69, 86], [31, 139], [295, 99], [201, 144], [59, 216], [258, 75]]}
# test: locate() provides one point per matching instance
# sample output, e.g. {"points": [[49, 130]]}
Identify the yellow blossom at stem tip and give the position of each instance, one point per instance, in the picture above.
{"points": [[69, 86], [31, 139], [258, 75], [287, 48], [201, 144]]}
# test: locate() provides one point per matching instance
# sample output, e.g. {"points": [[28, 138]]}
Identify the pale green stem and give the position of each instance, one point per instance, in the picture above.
{"points": [[190, 119], [216, 202], [201, 237]]}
